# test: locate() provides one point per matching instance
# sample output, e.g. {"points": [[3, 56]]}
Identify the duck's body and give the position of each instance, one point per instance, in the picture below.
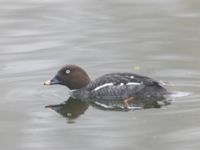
{"points": [[114, 86], [119, 86]]}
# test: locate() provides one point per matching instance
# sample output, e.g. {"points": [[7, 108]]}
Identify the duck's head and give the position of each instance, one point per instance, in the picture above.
{"points": [[72, 76]]}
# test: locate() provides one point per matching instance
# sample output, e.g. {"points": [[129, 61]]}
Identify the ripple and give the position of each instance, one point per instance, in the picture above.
{"points": [[185, 135], [29, 47], [177, 94], [24, 66]]}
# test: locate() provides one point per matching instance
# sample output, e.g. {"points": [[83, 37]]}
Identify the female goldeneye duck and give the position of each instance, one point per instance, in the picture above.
{"points": [[114, 86]]}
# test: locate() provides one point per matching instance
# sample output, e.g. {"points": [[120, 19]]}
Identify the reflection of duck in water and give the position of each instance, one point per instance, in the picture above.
{"points": [[127, 88], [139, 103], [71, 109]]}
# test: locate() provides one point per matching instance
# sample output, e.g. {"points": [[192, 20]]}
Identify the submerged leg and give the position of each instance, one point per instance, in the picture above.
{"points": [[125, 101]]}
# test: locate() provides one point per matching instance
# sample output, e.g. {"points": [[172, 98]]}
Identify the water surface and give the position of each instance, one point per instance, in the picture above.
{"points": [[158, 38]]}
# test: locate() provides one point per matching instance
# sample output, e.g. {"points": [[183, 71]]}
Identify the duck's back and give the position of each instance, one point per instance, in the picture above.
{"points": [[123, 85]]}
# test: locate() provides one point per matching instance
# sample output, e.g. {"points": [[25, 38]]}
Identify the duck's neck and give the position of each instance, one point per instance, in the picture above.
{"points": [[82, 93]]}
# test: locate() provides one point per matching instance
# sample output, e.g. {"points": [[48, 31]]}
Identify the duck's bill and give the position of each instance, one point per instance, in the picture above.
{"points": [[52, 81]]}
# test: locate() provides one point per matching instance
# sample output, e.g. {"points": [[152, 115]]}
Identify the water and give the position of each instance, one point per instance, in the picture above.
{"points": [[158, 38]]}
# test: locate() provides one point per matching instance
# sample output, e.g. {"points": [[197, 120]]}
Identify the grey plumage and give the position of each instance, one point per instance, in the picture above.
{"points": [[119, 87]]}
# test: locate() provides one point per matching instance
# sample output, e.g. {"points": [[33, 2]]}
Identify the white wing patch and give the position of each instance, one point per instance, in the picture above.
{"points": [[121, 84], [102, 86], [133, 83], [112, 84]]}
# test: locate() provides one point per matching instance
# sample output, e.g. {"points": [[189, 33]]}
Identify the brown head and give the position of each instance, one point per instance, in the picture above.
{"points": [[71, 76]]}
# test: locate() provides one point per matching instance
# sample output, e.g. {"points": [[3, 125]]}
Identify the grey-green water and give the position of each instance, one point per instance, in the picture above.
{"points": [[158, 38]]}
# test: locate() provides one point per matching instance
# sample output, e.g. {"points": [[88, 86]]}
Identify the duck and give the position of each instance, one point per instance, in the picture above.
{"points": [[119, 86]]}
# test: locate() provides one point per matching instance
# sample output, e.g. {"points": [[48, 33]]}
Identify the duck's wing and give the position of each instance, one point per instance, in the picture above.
{"points": [[116, 79], [122, 85]]}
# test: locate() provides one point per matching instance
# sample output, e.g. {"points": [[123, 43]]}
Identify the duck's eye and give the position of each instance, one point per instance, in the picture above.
{"points": [[67, 71]]}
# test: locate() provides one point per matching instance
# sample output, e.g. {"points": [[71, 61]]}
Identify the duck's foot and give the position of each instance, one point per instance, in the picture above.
{"points": [[125, 101]]}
